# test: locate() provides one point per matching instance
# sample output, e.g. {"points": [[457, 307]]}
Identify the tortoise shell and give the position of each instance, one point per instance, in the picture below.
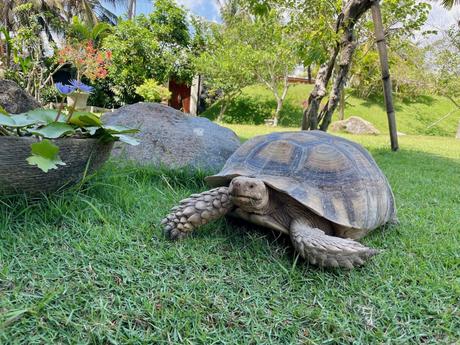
{"points": [[332, 176]]}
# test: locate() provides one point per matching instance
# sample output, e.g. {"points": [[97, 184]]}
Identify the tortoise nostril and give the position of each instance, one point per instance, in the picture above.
{"points": [[251, 186]]}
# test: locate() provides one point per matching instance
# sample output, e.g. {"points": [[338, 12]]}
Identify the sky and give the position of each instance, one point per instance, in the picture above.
{"points": [[439, 17], [203, 8]]}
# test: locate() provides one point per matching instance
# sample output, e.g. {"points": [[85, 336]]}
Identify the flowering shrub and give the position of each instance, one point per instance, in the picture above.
{"points": [[88, 61]]}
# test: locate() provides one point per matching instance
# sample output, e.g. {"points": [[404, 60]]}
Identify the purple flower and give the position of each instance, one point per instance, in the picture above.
{"points": [[77, 84], [65, 89]]}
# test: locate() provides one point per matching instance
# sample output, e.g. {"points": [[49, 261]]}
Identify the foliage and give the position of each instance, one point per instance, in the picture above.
{"points": [[225, 63], [447, 61], [79, 31], [24, 59], [52, 124], [49, 94], [151, 91], [253, 44], [415, 117], [410, 78], [88, 61], [157, 47]]}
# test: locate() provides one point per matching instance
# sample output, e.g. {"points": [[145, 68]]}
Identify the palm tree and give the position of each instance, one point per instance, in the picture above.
{"points": [[448, 4]]}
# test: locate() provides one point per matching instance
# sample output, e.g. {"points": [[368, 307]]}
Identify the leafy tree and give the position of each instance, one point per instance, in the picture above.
{"points": [[401, 20], [447, 63], [135, 55], [169, 23], [225, 64], [157, 47], [275, 53], [251, 48]]}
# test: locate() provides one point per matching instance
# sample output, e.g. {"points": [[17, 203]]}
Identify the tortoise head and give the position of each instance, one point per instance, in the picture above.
{"points": [[250, 194]]}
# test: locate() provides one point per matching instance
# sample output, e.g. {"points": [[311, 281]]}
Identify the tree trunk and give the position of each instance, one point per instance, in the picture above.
{"points": [[346, 54], [346, 21], [310, 115], [131, 9], [280, 100], [380, 38], [309, 74], [342, 105]]}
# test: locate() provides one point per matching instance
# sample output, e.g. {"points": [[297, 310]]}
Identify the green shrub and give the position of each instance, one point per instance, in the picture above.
{"points": [[50, 94], [151, 91]]}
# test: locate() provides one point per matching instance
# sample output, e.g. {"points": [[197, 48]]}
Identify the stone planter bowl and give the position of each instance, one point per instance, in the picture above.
{"points": [[17, 176]]}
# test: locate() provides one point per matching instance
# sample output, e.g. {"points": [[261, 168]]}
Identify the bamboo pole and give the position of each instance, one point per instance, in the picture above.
{"points": [[380, 38]]}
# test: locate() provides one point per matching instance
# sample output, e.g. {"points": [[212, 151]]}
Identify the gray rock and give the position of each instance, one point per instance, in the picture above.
{"points": [[354, 125], [14, 99], [173, 139]]}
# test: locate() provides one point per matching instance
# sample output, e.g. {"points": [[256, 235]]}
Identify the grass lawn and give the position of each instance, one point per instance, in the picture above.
{"points": [[413, 117], [92, 266]]}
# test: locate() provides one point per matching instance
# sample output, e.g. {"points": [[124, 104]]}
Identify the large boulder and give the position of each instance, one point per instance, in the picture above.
{"points": [[354, 125], [14, 99], [173, 139]]}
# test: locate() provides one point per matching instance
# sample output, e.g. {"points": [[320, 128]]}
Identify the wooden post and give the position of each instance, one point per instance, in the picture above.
{"points": [[380, 38]]}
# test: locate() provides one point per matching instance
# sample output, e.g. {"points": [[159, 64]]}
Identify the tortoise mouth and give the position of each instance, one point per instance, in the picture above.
{"points": [[244, 198]]}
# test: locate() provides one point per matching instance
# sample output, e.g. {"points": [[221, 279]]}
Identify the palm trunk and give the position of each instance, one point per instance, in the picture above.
{"points": [[131, 9], [380, 37]]}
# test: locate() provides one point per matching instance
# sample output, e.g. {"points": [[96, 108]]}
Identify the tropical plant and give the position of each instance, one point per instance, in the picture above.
{"points": [[49, 124], [448, 4], [79, 31]]}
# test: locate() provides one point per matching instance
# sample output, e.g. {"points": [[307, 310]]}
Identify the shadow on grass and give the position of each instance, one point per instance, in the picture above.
{"points": [[407, 170]]}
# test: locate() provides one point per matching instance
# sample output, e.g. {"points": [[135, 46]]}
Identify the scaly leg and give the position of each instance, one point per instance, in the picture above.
{"points": [[196, 210], [328, 251]]}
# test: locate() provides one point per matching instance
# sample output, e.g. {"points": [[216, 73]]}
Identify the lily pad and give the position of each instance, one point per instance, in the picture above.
{"points": [[127, 139], [45, 155], [53, 130], [85, 119]]}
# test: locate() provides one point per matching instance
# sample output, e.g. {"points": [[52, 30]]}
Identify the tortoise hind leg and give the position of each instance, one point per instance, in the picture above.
{"points": [[195, 211], [327, 251]]}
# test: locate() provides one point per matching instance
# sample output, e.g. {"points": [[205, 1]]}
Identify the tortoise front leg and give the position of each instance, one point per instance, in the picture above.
{"points": [[196, 210]]}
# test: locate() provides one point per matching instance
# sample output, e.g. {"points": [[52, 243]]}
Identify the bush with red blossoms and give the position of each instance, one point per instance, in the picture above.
{"points": [[89, 62]]}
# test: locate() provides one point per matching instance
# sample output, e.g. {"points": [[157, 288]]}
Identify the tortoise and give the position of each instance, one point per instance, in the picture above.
{"points": [[324, 191]]}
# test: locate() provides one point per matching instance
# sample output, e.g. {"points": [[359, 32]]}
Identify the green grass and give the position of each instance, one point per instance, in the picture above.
{"points": [[257, 103], [91, 265]]}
